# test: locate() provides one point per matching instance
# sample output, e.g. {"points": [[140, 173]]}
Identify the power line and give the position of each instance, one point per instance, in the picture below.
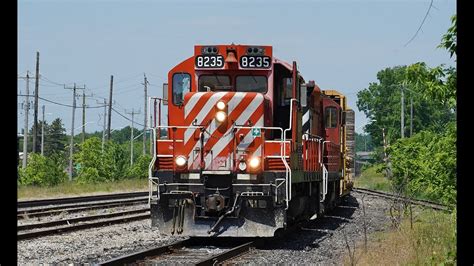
{"points": [[62, 104], [419, 28], [156, 76], [52, 82], [135, 88], [126, 117]]}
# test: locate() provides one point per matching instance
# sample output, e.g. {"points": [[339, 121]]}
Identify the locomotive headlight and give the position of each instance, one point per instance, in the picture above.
{"points": [[242, 166], [254, 162], [180, 160], [221, 116], [220, 106]]}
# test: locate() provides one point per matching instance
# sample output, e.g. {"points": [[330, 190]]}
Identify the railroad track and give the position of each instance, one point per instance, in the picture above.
{"points": [[80, 223], [48, 207], [77, 207], [60, 201], [424, 203], [197, 251]]}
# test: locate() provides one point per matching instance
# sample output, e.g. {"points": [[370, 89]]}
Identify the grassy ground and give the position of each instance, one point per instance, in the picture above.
{"points": [[69, 189], [370, 179], [431, 241]]}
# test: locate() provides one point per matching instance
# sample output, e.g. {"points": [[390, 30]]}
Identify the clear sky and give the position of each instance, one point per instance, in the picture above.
{"points": [[339, 44]]}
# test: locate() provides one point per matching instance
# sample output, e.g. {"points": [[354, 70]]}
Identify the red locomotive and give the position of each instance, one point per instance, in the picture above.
{"points": [[249, 146]]}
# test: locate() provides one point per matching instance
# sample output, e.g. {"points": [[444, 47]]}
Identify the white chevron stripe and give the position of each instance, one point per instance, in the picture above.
{"points": [[233, 102], [188, 107], [243, 117], [223, 142], [203, 113], [258, 151]]}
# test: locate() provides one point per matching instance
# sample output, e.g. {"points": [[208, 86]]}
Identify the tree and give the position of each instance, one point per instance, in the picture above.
{"points": [[42, 171], [55, 138], [96, 165], [425, 165], [381, 103], [140, 167], [449, 40]]}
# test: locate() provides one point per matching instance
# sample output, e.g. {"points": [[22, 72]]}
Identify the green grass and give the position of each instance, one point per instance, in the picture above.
{"points": [[75, 189], [370, 179], [431, 241]]}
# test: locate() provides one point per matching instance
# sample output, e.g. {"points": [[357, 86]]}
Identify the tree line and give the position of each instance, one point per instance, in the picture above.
{"points": [[424, 162], [93, 162]]}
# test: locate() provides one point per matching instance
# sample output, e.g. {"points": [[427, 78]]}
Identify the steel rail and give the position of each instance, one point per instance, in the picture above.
{"points": [[229, 254], [425, 203], [140, 257], [69, 221], [35, 234], [56, 201], [79, 209]]}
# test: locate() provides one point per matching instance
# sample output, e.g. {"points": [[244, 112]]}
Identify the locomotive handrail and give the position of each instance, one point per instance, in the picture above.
{"points": [[325, 183], [287, 167], [282, 157], [150, 172], [150, 98]]}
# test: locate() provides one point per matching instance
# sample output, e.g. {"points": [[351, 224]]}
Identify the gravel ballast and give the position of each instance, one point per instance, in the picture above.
{"points": [[318, 242], [322, 241]]}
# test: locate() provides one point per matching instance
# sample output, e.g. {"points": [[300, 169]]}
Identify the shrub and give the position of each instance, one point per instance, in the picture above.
{"points": [[98, 165], [140, 167], [42, 171], [425, 165]]}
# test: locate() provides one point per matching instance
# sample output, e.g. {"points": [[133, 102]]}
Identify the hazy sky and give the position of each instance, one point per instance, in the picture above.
{"points": [[339, 44]]}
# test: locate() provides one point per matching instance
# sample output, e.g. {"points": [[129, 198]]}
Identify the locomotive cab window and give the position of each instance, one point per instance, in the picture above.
{"points": [[330, 117], [214, 83], [251, 84], [286, 91], [181, 86]]}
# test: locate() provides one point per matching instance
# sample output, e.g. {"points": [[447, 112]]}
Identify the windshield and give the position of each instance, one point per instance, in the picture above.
{"points": [[214, 83], [251, 83]]}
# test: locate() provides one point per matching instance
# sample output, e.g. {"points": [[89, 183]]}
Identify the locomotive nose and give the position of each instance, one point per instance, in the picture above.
{"points": [[222, 116]]}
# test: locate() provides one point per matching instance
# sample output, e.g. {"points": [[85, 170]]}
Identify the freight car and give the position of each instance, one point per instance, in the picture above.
{"points": [[249, 146]]}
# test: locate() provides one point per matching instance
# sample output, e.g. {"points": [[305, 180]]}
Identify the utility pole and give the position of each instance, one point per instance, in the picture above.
{"points": [[110, 106], [145, 116], [71, 149], [402, 114], [411, 115], [35, 123], [42, 135], [27, 108], [133, 113], [84, 114], [386, 158], [105, 124]]}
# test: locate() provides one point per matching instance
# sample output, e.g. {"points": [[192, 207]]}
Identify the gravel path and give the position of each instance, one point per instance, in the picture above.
{"points": [[319, 242]]}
